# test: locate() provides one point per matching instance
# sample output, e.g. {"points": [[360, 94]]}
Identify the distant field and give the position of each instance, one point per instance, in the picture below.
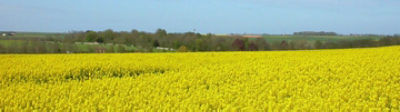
{"points": [[37, 35], [275, 38], [312, 38]]}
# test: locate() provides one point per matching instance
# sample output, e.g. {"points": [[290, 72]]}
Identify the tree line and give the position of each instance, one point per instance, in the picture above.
{"points": [[162, 41]]}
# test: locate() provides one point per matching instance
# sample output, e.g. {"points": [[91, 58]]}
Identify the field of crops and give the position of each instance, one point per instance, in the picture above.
{"points": [[351, 79], [312, 38]]}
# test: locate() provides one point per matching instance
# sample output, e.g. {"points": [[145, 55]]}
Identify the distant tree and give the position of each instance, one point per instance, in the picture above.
{"points": [[90, 49], [40, 47], [367, 43], [109, 49], [25, 46], [318, 44], [238, 44], [109, 36], [50, 38], [146, 42], [100, 40], [224, 44], [54, 48], [299, 44], [262, 44], [2, 49], [330, 45], [156, 43], [189, 34], [253, 47], [386, 41], [121, 48], [246, 43], [198, 45], [11, 49], [209, 35], [69, 48], [284, 45], [177, 44], [161, 33], [134, 31], [119, 40], [91, 36]]}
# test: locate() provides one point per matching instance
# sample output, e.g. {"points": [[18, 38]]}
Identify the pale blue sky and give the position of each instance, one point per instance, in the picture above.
{"points": [[206, 16]]}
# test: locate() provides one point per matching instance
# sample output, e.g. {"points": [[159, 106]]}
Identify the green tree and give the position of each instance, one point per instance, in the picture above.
{"points": [[120, 48], [156, 43], [263, 44], [253, 47], [161, 33], [2, 49], [91, 36], [238, 44], [109, 36], [284, 45], [318, 44]]}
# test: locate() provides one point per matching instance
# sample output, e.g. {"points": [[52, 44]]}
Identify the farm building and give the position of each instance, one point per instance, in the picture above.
{"points": [[101, 50], [7, 34]]}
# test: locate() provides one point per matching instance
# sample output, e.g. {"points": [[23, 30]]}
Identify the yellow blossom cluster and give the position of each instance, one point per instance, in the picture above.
{"points": [[324, 80]]}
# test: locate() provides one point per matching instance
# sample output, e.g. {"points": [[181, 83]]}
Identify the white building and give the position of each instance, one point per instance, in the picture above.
{"points": [[7, 34]]}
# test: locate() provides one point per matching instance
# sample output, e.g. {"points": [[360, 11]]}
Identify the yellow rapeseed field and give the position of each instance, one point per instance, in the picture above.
{"points": [[325, 80]]}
